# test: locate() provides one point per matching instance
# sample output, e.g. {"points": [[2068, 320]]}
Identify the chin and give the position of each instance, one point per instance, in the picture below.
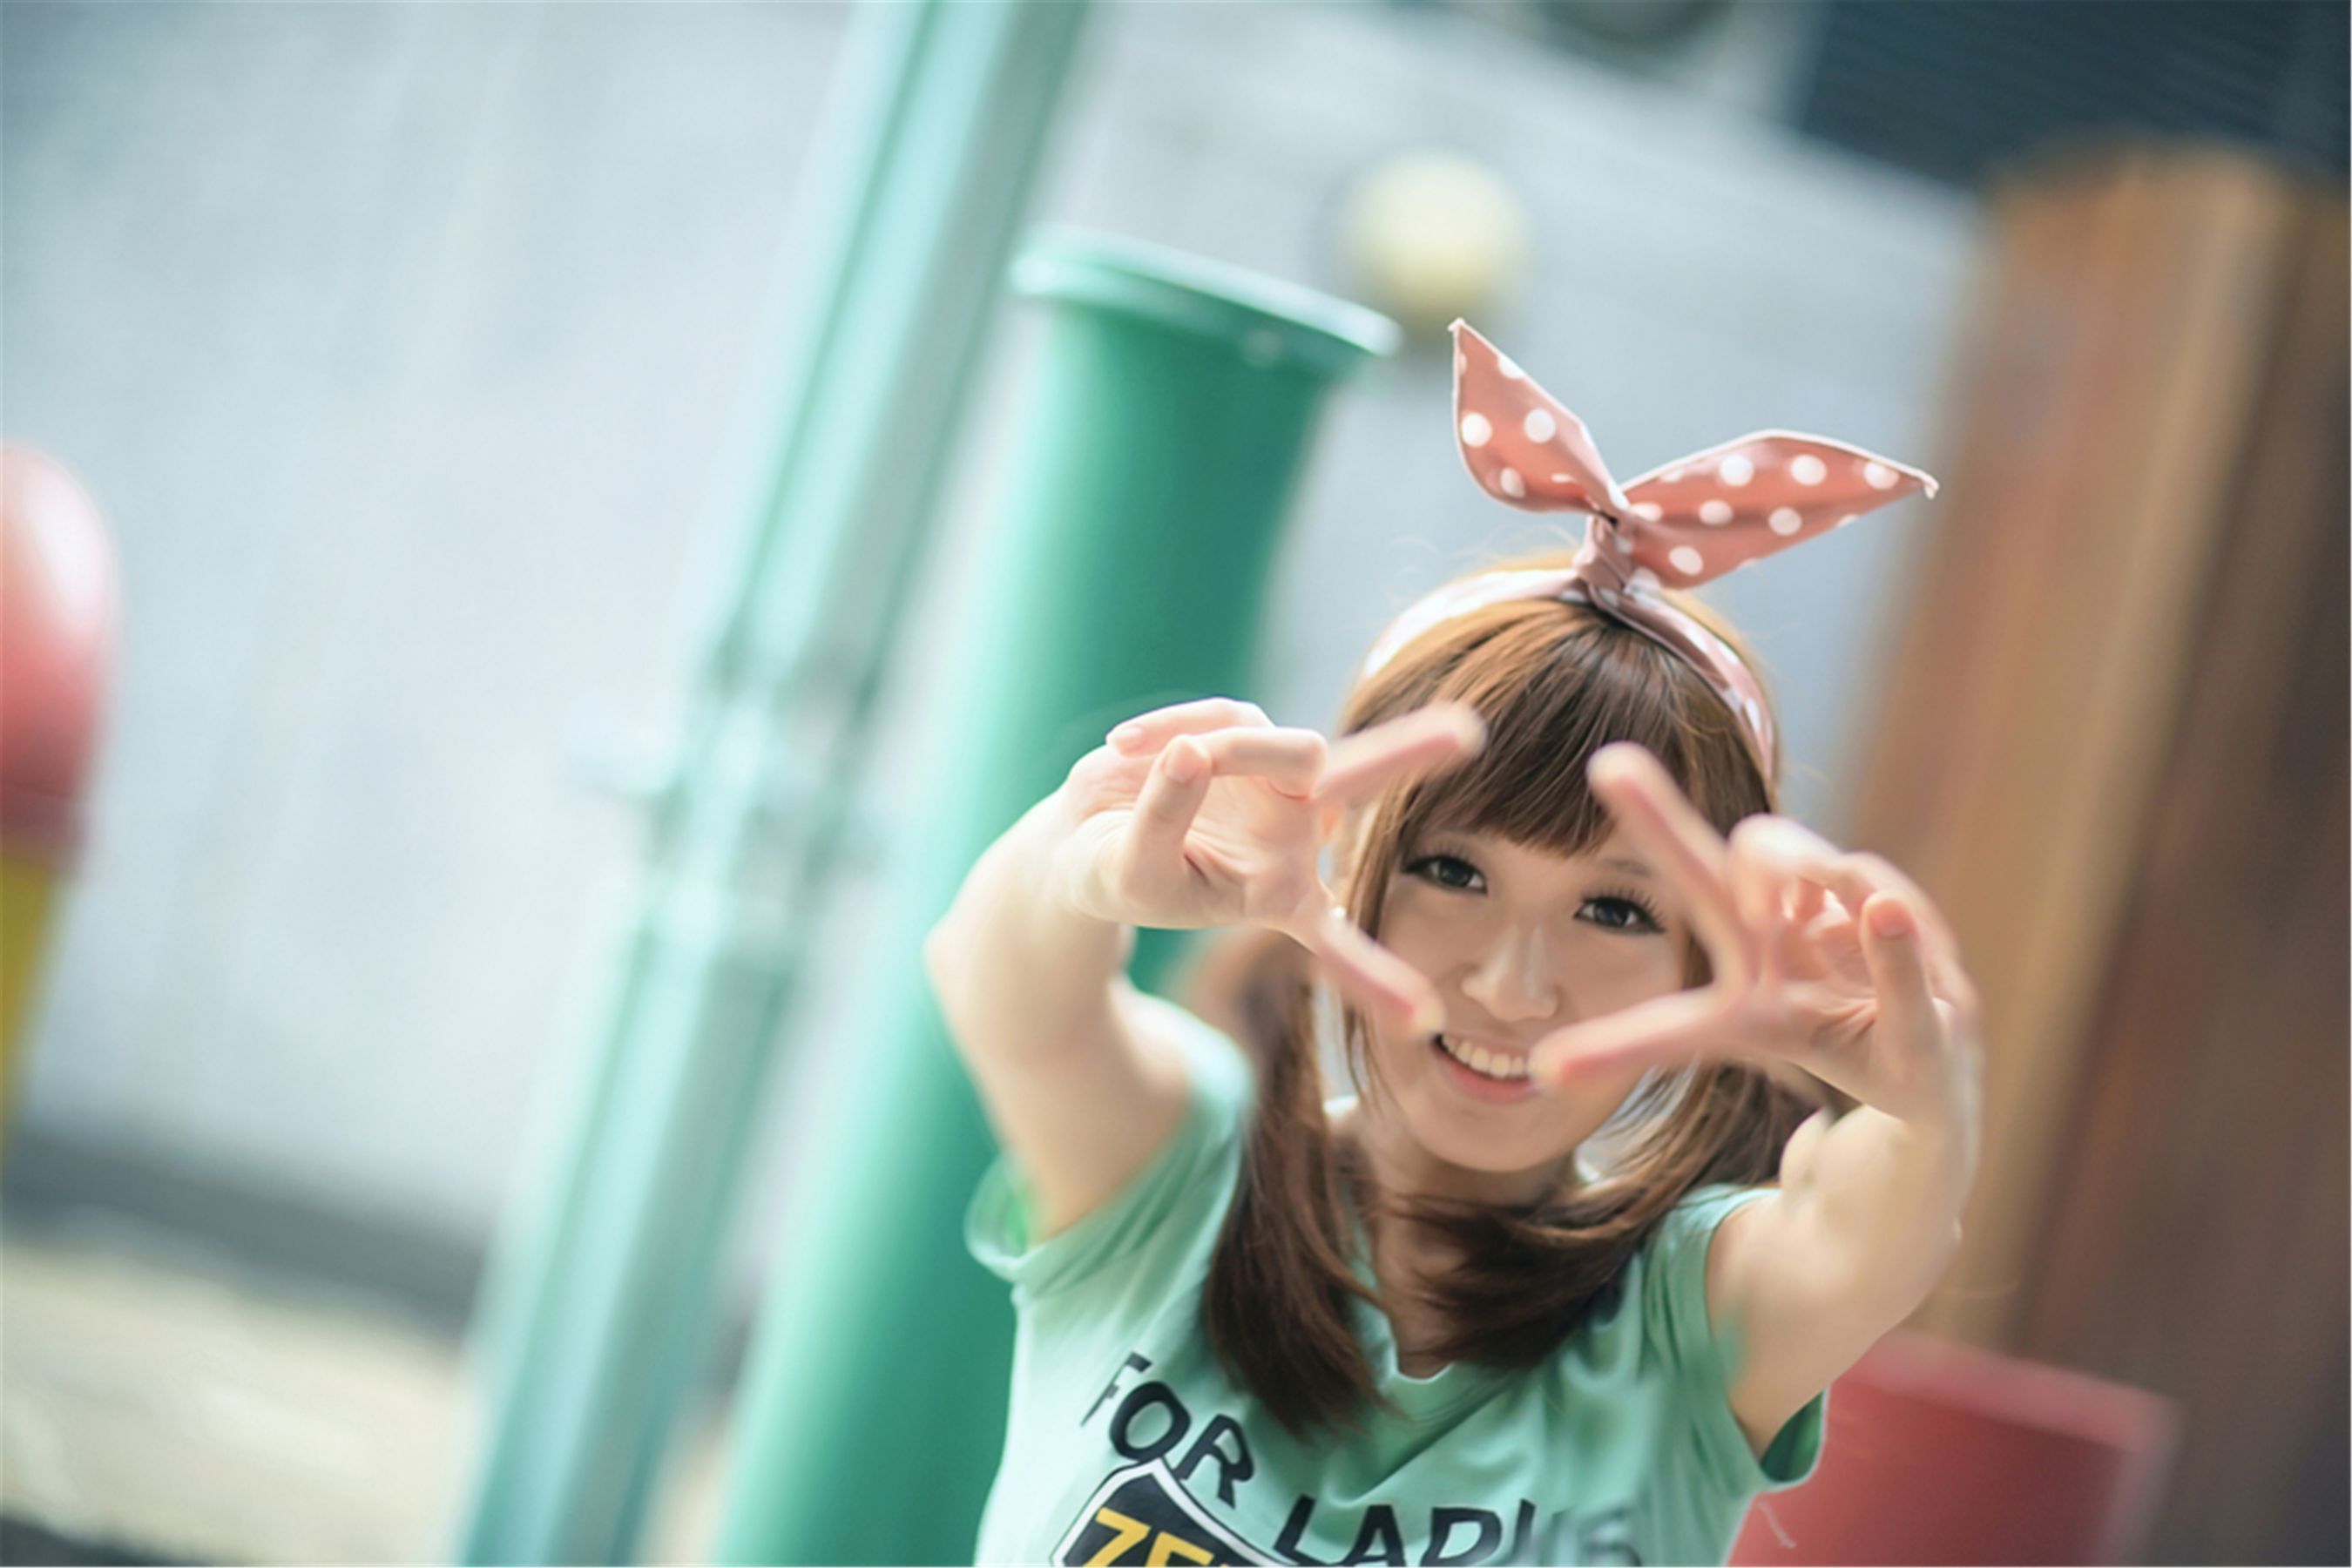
{"points": [[1490, 1156]]}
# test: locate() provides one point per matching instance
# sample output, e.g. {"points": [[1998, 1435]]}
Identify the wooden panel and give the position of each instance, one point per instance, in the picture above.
{"points": [[2198, 1240], [2036, 691]]}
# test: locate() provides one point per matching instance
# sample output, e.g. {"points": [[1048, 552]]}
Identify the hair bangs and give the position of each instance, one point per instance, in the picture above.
{"points": [[1553, 683]]}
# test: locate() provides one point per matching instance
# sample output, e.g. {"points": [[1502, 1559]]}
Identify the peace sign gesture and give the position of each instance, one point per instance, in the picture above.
{"points": [[1209, 814], [1832, 962]]}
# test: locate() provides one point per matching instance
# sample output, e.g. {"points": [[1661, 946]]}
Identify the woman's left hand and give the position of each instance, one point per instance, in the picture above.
{"points": [[1825, 960]]}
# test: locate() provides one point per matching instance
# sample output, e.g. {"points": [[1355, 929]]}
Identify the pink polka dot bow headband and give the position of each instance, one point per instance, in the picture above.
{"points": [[1685, 522]]}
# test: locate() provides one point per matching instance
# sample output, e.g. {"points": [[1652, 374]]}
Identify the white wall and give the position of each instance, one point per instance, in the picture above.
{"points": [[399, 344]]}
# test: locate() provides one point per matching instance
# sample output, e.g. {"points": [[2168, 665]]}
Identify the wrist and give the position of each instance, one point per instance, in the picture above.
{"points": [[1041, 870], [1945, 1131], [1011, 932], [1037, 856]]}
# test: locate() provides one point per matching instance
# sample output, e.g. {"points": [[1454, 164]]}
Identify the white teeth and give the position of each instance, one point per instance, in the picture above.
{"points": [[1484, 1062]]}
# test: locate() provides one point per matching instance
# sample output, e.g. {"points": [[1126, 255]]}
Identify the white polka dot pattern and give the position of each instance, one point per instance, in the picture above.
{"points": [[1696, 519]]}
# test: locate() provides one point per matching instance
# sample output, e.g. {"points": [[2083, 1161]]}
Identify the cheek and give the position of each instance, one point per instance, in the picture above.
{"points": [[1427, 944], [1624, 968], [1624, 972]]}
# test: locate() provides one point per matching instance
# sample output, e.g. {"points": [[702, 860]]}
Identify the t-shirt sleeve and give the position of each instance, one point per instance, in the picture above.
{"points": [[1161, 1223], [1674, 1304]]}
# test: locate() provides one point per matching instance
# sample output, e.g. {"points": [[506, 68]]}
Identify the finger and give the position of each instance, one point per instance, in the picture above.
{"points": [[1812, 911], [1806, 900], [1891, 945], [1766, 866], [1145, 733], [1289, 760], [1859, 876], [1165, 806], [1425, 741], [1810, 856], [1665, 829], [1675, 1028], [1855, 874], [1367, 973], [1892, 878]]}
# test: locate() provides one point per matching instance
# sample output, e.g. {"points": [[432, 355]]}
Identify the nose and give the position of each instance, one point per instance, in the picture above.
{"points": [[1512, 979]]}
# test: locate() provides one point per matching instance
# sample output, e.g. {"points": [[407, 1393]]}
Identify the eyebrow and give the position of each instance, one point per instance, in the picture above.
{"points": [[1626, 864]]}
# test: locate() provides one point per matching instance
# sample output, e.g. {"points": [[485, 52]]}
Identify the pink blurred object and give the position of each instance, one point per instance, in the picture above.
{"points": [[1941, 1453], [56, 646]]}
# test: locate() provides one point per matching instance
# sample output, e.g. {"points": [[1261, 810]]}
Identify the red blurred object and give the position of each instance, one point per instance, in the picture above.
{"points": [[57, 646], [1941, 1453]]}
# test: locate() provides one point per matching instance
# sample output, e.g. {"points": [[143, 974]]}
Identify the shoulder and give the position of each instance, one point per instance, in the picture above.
{"points": [[1675, 1273], [1695, 1217], [1160, 1224], [1705, 1354], [1216, 1069]]}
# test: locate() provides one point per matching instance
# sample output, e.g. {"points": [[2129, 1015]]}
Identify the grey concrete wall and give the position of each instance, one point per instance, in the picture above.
{"points": [[401, 343]]}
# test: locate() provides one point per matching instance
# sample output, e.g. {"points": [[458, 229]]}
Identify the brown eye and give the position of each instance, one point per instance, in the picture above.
{"points": [[1627, 913], [1449, 871]]}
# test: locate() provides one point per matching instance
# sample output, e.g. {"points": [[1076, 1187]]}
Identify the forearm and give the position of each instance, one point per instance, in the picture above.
{"points": [[1888, 1196], [1078, 1082]]}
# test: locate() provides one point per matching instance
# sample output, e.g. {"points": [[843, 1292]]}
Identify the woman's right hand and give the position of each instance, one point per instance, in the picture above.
{"points": [[1208, 814]]}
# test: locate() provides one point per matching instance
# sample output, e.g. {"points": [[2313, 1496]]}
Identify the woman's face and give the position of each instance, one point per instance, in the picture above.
{"points": [[1519, 942]]}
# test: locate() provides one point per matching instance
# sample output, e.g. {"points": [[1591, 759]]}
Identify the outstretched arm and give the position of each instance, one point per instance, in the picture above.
{"points": [[1197, 814], [1866, 1219], [1837, 963]]}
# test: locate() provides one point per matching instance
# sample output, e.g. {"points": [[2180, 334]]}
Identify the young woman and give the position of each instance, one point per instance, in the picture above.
{"points": [[1665, 1110]]}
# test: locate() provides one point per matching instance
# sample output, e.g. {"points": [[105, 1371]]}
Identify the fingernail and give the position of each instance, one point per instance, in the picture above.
{"points": [[1612, 758], [1890, 920], [1183, 761], [1428, 1017], [1125, 736], [1471, 729]]}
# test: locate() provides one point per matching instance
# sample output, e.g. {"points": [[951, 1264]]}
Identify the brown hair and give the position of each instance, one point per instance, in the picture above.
{"points": [[1554, 682]]}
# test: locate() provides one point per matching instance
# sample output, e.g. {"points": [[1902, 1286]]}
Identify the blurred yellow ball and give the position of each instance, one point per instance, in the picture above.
{"points": [[1427, 237]]}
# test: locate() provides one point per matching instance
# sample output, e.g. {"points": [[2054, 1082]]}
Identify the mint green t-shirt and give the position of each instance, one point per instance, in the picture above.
{"points": [[1127, 1442]]}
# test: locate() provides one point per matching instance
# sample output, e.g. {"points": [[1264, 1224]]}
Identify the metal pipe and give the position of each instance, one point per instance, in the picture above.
{"points": [[595, 1321], [1159, 446]]}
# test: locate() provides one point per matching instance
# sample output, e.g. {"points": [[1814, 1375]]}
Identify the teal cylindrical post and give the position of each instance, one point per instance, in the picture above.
{"points": [[594, 1319], [1161, 442]]}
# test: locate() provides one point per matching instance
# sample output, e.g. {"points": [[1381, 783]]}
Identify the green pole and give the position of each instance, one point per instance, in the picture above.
{"points": [[1160, 446], [594, 1321]]}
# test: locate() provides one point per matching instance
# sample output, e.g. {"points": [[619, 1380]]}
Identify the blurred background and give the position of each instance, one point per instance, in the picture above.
{"points": [[428, 365]]}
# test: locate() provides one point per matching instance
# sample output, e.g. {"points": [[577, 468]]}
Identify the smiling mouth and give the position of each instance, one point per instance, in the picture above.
{"points": [[1500, 1067]]}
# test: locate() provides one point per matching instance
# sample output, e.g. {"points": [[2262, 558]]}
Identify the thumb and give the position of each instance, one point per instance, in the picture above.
{"points": [[1898, 969], [1170, 797]]}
